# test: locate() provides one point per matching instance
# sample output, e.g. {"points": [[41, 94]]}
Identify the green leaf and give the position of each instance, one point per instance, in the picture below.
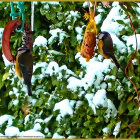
{"points": [[134, 112], [122, 107], [39, 102], [71, 58], [97, 120], [134, 4], [124, 8], [120, 22], [130, 105], [10, 105], [114, 71], [60, 16], [130, 9], [131, 70], [5, 76], [120, 74], [73, 39]]}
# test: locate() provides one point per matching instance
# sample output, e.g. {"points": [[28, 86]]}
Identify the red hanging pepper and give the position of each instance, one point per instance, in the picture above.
{"points": [[11, 26]]}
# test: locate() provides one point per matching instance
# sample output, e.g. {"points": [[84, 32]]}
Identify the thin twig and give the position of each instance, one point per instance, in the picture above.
{"points": [[95, 8], [133, 128], [130, 61], [89, 6], [32, 16]]}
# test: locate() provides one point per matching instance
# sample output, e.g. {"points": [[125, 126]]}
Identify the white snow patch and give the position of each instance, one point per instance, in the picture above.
{"points": [[70, 27], [37, 127], [115, 4], [65, 108], [79, 37], [31, 134], [110, 24], [26, 119], [40, 41], [57, 136], [103, 85], [89, 97], [71, 137], [2, 136], [94, 73], [53, 52], [100, 98], [48, 119], [131, 42], [38, 121], [46, 6], [74, 83], [12, 131], [1, 32], [98, 18], [5, 118], [46, 130], [51, 3], [6, 62], [107, 77], [41, 65], [100, 10], [134, 61], [78, 104], [100, 57], [79, 30], [15, 102], [106, 130], [121, 47], [32, 101], [72, 16], [111, 110], [81, 93], [57, 33], [85, 4], [15, 91], [53, 69], [116, 129]]}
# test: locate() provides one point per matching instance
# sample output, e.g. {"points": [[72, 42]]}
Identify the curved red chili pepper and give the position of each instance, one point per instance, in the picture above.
{"points": [[9, 28]]}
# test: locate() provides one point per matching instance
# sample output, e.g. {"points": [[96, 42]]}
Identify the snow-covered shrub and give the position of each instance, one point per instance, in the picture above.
{"points": [[71, 98]]}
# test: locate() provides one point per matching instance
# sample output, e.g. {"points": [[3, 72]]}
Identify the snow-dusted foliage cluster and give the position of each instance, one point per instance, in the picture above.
{"points": [[72, 98], [1, 31]]}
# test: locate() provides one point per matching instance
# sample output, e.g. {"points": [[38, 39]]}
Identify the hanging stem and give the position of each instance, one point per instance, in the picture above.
{"points": [[95, 8], [130, 61], [89, 6], [94, 5], [32, 16]]}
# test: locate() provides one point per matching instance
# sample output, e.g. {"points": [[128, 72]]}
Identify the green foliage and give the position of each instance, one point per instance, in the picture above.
{"points": [[50, 89]]}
